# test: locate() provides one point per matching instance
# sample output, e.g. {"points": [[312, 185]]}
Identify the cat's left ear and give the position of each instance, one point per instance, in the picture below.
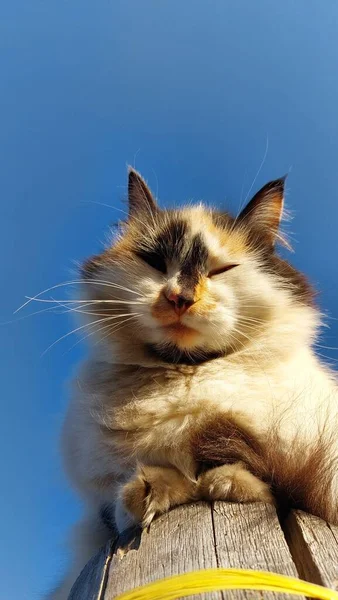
{"points": [[265, 210], [140, 198]]}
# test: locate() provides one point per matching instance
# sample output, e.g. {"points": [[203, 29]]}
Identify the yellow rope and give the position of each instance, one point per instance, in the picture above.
{"points": [[212, 580]]}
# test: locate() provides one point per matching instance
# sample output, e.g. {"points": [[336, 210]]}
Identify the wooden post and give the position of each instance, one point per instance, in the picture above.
{"points": [[227, 535]]}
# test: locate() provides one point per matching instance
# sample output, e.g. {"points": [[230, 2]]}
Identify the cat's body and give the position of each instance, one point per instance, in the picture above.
{"points": [[224, 399], [122, 416]]}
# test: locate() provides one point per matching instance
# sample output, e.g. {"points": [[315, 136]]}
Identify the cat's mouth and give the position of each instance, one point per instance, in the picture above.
{"points": [[181, 334], [179, 327]]}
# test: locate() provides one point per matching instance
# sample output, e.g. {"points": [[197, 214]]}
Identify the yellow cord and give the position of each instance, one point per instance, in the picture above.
{"points": [[212, 580]]}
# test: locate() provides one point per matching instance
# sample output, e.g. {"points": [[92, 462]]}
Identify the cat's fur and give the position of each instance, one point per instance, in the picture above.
{"points": [[221, 399]]}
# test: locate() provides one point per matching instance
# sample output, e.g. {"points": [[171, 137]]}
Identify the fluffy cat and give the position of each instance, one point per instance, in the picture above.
{"points": [[202, 382]]}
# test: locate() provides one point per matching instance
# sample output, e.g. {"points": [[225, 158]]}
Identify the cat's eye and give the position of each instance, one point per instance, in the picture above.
{"points": [[154, 260], [221, 270]]}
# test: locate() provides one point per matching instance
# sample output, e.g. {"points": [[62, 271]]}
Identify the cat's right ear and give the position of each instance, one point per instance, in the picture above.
{"points": [[140, 198]]}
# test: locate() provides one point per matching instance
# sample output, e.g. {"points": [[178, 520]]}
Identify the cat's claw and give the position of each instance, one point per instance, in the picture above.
{"points": [[154, 490]]}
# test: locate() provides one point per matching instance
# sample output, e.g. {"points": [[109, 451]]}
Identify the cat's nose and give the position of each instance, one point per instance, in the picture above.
{"points": [[180, 302]]}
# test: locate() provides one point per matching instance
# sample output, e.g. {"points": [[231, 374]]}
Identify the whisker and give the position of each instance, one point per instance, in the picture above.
{"points": [[250, 319], [104, 327], [82, 327], [250, 339], [76, 309], [254, 181], [326, 347], [115, 328], [110, 284], [75, 282], [37, 312], [328, 358], [62, 302]]}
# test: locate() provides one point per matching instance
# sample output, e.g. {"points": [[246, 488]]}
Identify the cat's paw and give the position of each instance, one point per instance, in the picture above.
{"points": [[154, 490], [233, 483]]}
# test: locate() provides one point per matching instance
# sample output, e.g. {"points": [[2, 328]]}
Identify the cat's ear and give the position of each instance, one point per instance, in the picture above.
{"points": [[140, 198], [265, 210]]}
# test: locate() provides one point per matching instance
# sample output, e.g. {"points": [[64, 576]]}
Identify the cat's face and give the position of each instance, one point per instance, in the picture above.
{"points": [[192, 284]]}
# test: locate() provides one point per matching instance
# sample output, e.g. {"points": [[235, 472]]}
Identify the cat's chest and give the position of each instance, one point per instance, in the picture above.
{"points": [[168, 403], [157, 423], [151, 416]]}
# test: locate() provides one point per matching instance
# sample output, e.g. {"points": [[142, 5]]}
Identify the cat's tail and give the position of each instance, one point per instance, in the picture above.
{"points": [[301, 474], [87, 537]]}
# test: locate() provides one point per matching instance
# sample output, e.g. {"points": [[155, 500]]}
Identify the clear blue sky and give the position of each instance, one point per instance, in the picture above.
{"points": [[188, 91]]}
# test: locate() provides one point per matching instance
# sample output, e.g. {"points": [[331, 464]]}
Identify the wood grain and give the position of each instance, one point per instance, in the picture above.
{"points": [[249, 536], [314, 546], [176, 542], [198, 536], [226, 535]]}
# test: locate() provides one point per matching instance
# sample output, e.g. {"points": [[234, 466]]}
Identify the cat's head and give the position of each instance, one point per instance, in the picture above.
{"points": [[191, 284]]}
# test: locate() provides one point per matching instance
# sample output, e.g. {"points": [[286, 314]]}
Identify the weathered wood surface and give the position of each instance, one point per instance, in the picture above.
{"points": [[177, 542], [250, 537], [91, 583], [200, 536], [314, 545]]}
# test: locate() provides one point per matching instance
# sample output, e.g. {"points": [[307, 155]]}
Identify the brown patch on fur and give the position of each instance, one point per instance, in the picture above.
{"points": [[200, 290], [202, 297], [235, 241], [222, 221], [125, 246], [295, 281], [218, 229], [227, 439], [299, 475], [302, 476], [91, 266], [221, 226]]}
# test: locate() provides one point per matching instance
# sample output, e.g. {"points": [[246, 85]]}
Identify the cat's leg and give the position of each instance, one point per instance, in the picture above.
{"points": [[87, 537], [152, 491], [305, 476], [233, 483]]}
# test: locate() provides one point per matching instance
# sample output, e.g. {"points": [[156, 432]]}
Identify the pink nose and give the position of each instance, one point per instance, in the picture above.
{"points": [[179, 302]]}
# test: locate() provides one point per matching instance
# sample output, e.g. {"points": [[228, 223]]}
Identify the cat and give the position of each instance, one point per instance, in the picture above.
{"points": [[202, 381]]}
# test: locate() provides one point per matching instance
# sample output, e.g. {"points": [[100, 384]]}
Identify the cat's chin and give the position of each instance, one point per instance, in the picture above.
{"points": [[181, 335], [173, 354]]}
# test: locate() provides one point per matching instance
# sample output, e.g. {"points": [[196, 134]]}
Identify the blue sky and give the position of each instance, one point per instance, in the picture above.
{"points": [[189, 92]]}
